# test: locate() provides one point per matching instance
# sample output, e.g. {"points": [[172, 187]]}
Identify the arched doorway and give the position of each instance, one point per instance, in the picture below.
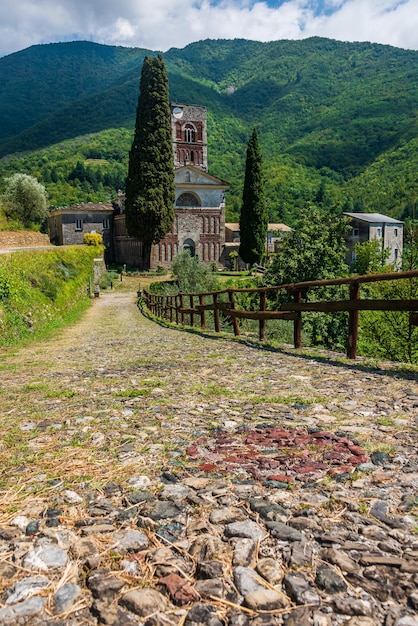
{"points": [[189, 246]]}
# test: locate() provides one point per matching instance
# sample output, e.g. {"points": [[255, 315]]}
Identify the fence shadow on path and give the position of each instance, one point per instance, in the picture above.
{"points": [[392, 370]]}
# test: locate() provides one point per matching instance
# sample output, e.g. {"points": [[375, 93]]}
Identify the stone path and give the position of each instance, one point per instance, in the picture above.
{"points": [[157, 477]]}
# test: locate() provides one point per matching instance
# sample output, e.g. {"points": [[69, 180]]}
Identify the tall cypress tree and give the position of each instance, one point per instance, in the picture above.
{"points": [[150, 191], [253, 221]]}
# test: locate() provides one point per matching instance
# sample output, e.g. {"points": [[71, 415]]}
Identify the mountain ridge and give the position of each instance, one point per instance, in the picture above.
{"points": [[325, 110]]}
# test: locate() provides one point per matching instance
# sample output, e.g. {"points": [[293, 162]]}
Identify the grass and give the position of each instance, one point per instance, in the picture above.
{"points": [[37, 296]]}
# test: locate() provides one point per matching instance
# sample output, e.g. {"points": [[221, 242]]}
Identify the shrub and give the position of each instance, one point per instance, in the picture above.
{"points": [[192, 276], [92, 239]]}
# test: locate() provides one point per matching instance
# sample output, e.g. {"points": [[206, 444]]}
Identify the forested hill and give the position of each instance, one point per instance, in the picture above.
{"points": [[337, 121]]}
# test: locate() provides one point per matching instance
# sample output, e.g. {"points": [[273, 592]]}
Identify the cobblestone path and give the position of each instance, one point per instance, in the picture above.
{"points": [[160, 477]]}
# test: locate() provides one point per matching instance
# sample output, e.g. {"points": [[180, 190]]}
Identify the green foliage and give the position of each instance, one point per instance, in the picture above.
{"points": [[336, 119], [25, 199], [92, 239], [55, 167], [253, 220], [42, 290], [108, 279], [314, 250], [150, 182], [410, 249], [388, 334], [371, 257], [5, 285], [192, 276]]}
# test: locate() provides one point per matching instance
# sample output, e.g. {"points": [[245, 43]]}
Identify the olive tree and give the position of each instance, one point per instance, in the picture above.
{"points": [[25, 199]]}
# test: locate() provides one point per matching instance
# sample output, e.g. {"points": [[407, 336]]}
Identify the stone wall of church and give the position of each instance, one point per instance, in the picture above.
{"points": [[201, 231]]}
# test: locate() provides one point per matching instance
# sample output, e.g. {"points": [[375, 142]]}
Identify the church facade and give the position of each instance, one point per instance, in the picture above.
{"points": [[199, 223]]}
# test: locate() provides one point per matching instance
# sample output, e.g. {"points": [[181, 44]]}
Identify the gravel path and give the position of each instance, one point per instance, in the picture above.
{"points": [[159, 477]]}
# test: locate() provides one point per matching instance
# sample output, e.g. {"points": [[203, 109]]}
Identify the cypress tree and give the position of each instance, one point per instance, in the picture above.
{"points": [[253, 221], [150, 192]]}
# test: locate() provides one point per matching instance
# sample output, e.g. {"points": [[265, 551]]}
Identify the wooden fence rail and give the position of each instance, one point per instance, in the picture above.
{"points": [[174, 308]]}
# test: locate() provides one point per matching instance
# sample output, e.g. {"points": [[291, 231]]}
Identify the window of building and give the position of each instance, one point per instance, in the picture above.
{"points": [[189, 133], [378, 232], [353, 256], [106, 223], [79, 224], [188, 199], [355, 232], [395, 232], [396, 253]]}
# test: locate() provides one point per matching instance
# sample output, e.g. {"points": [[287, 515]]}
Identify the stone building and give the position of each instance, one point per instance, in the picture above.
{"points": [[375, 226], [67, 225], [199, 224], [275, 235]]}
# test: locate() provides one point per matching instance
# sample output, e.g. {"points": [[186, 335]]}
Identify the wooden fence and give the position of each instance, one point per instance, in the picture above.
{"points": [[195, 305]]}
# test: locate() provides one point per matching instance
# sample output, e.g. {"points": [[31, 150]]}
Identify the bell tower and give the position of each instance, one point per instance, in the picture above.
{"points": [[189, 136]]}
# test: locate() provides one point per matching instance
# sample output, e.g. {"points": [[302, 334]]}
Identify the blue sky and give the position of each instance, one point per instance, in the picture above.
{"points": [[163, 24]]}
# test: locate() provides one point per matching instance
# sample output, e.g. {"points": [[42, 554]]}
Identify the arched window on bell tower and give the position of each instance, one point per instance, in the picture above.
{"points": [[189, 133]]}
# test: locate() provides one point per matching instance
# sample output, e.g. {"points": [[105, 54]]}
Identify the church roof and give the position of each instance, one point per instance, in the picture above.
{"points": [[202, 174]]}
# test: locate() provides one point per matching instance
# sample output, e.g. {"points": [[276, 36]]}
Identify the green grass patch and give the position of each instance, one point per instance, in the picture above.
{"points": [[43, 290]]}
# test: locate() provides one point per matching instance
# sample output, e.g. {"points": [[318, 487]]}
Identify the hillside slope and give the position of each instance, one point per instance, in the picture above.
{"points": [[326, 111]]}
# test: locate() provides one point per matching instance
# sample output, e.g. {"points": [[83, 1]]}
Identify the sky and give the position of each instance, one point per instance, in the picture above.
{"points": [[162, 24]]}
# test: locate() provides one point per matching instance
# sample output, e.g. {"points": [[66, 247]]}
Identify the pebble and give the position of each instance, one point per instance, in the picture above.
{"points": [[45, 558], [247, 580], [247, 529], [143, 602], [65, 597]]}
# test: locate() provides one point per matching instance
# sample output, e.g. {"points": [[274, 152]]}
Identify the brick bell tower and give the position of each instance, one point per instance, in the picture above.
{"points": [[189, 136]]}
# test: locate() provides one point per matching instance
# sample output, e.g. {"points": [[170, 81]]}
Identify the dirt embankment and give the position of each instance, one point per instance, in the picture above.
{"points": [[22, 239]]}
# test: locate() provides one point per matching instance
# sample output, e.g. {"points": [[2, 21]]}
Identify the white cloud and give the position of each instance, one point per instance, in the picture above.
{"points": [[162, 24]]}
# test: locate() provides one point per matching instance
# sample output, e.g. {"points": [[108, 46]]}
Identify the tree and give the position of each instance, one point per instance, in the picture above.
{"points": [[25, 199], [314, 250], [150, 192], [371, 257], [253, 221], [192, 276]]}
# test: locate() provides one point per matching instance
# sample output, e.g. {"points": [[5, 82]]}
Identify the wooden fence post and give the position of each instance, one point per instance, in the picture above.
{"points": [[235, 323], [182, 307], [202, 312], [177, 304], [216, 313], [191, 313], [297, 324], [262, 323], [353, 323]]}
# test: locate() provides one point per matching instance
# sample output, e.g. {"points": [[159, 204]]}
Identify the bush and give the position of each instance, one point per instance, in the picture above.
{"points": [[92, 239], [108, 279], [192, 276]]}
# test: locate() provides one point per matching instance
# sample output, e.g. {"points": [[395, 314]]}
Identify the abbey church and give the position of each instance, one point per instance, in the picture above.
{"points": [[199, 224]]}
